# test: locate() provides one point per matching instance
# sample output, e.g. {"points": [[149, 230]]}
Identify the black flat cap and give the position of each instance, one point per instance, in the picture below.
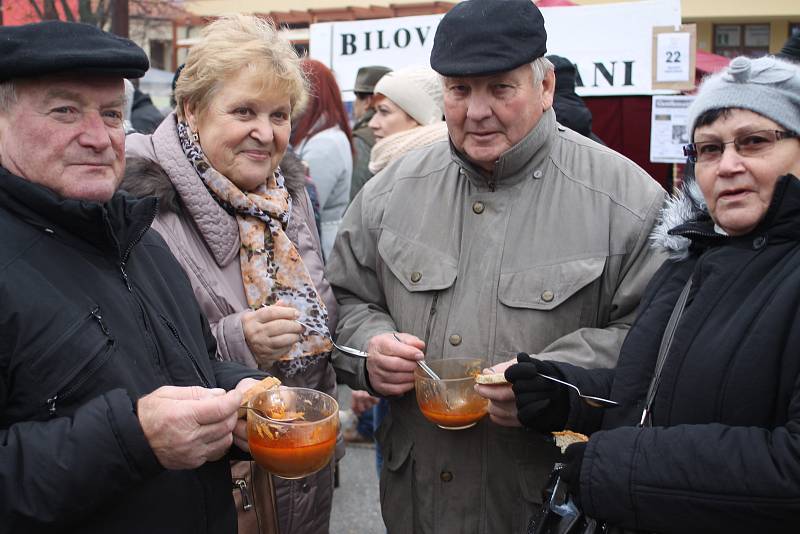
{"points": [[482, 37], [55, 46]]}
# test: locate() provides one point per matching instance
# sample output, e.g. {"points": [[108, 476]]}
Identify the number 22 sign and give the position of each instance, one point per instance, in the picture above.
{"points": [[674, 55]]}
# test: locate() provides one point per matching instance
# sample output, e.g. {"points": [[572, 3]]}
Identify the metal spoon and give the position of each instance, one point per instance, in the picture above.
{"points": [[342, 348], [268, 418], [594, 402], [424, 366]]}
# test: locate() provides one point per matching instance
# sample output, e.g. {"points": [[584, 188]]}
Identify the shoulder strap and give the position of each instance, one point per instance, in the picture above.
{"points": [[666, 343]]}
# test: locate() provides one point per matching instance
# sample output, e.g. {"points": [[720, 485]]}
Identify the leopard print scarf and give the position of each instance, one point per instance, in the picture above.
{"points": [[272, 269]]}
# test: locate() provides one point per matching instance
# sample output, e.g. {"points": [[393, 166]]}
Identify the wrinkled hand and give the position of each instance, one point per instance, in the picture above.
{"points": [[361, 401], [391, 363], [271, 331], [502, 405], [188, 426], [240, 431], [541, 404]]}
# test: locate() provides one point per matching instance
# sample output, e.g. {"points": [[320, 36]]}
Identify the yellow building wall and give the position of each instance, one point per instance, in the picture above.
{"points": [[704, 13]]}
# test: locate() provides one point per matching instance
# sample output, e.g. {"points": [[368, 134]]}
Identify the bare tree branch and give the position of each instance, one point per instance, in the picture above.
{"points": [[68, 14], [35, 5]]}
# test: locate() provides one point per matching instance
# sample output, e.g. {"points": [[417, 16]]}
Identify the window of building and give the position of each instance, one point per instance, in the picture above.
{"points": [[158, 54], [733, 40]]}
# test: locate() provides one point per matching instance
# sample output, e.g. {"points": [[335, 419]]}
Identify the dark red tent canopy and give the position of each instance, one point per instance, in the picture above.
{"points": [[708, 63]]}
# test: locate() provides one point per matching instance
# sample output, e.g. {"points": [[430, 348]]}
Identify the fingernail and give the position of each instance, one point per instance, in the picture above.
{"points": [[217, 392]]}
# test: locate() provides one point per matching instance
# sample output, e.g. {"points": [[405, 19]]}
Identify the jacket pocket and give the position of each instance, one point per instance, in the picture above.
{"points": [[548, 286], [545, 303], [417, 266], [85, 348]]}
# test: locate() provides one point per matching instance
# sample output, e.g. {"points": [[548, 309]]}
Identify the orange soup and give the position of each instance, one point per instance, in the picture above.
{"points": [[293, 458], [464, 415]]}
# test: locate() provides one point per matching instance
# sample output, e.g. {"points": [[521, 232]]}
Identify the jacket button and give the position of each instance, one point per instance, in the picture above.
{"points": [[306, 487], [759, 242], [547, 296], [455, 340], [478, 207], [537, 174], [446, 476], [416, 276]]}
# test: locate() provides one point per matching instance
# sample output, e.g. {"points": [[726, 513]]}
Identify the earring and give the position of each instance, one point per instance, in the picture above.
{"points": [[196, 137]]}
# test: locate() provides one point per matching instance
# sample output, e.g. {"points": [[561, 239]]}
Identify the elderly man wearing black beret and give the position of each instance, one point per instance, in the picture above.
{"points": [[114, 415], [516, 235]]}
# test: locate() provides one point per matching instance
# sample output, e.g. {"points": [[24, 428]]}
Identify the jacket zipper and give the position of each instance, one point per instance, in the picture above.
{"points": [[195, 364], [127, 253], [242, 485], [430, 317], [94, 365]]}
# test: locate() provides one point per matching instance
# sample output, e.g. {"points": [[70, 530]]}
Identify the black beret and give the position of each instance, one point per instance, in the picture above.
{"points": [[482, 37], [55, 46]]}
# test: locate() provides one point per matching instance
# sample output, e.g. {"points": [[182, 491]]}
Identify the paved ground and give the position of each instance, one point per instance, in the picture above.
{"points": [[356, 508]]}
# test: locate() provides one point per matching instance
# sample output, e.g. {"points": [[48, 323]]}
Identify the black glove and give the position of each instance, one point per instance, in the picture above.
{"points": [[571, 472], [541, 404]]}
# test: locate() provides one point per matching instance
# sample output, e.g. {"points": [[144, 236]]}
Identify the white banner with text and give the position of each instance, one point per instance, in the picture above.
{"points": [[611, 44]]}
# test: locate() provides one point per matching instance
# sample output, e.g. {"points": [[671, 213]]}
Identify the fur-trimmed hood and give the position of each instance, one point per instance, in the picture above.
{"points": [[145, 177], [686, 205]]}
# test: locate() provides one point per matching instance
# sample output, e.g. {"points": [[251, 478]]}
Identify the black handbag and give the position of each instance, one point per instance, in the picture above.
{"points": [[559, 513]]}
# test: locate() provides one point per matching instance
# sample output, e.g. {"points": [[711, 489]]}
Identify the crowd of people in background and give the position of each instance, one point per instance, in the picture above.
{"points": [[155, 266]]}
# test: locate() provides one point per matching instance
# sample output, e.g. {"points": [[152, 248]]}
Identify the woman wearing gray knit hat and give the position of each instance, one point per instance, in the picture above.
{"points": [[706, 437], [408, 114]]}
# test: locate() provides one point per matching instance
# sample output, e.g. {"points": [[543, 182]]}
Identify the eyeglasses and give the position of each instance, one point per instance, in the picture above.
{"points": [[751, 144]]}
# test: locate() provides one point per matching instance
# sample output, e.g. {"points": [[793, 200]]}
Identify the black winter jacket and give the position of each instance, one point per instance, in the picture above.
{"points": [[95, 313], [723, 454]]}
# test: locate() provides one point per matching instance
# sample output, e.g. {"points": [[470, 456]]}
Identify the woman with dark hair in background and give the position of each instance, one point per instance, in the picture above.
{"points": [[322, 139]]}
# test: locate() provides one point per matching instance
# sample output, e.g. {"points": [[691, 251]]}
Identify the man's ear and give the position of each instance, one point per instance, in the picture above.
{"points": [[548, 90]]}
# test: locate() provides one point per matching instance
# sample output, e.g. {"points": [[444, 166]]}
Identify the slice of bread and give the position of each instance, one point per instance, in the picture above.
{"points": [[267, 383], [565, 438], [493, 378]]}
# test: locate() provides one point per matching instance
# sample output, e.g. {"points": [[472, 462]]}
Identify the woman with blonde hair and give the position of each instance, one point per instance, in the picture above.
{"points": [[244, 232]]}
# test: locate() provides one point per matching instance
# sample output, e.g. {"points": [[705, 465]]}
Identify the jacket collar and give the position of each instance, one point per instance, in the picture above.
{"points": [[685, 221], [219, 230], [113, 227], [518, 162]]}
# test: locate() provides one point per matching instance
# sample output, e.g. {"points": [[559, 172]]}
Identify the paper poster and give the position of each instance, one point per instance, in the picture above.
{"points": [[673, 54], [674, 57], [669, 130]]}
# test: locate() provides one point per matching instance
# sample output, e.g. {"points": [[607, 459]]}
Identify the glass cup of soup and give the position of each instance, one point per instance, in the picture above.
{"points": [[298, 436], [451, 402]]}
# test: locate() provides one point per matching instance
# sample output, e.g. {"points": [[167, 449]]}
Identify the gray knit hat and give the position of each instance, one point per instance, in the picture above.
{"points": [[415, 90], [767, 86]]}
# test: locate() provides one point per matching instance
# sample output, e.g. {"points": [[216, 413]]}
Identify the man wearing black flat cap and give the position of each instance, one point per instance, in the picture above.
{"points": [[516, 235], [114, 415]]}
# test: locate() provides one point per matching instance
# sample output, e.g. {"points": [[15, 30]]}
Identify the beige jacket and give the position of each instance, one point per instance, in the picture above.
{"points": [[549, 256], [205, 240]]}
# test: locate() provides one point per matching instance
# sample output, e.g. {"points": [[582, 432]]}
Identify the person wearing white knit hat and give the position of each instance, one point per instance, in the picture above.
{"points": [[408, 114]]}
